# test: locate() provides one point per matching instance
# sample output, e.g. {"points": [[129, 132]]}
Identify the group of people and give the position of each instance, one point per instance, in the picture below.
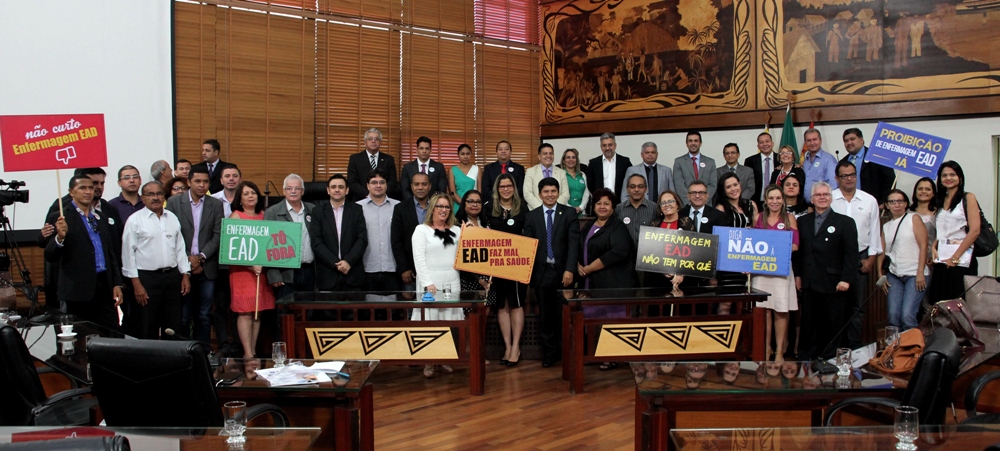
{"points": [[156, 247]]}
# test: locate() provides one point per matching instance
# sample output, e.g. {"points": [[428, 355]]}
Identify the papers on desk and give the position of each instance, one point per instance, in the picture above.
{"points": [[860, 356], [328, 367], [292, 375]]}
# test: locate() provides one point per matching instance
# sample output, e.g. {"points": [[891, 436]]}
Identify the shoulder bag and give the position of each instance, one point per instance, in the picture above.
{"points": [[886, 261], [953, 315], [987, 240], [902, 355]]}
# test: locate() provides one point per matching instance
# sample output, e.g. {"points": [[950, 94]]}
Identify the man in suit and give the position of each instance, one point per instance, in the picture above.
{"points": [[703, 216], [873, 178], [731, 153], [503, 164], [544, 169], [659, 178], [762, 164], [406, 215], [694, 166], [210, 150], [828, 265], [200, 216], [293, 209], [558, 233], [339, 238], [425, 164], [361, 163], [608, 170], [83, 255]]}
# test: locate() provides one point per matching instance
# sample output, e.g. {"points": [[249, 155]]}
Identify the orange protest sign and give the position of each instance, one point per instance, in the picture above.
{"points": [[498, 254]]}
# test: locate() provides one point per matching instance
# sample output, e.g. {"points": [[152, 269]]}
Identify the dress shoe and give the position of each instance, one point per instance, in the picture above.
{"points": [[546, 363]]}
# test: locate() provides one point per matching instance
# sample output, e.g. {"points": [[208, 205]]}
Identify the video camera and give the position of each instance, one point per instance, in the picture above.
{"points": [[12, 194]]}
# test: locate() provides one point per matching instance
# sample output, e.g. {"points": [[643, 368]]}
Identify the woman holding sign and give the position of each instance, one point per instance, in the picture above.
{"points": [[434, 245], [250, 292], [506, 213], [739, 212], [670, 207], [782, 288]]}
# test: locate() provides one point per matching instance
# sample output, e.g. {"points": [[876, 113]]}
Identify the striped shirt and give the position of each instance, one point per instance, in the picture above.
{"points": [[637, 217]]}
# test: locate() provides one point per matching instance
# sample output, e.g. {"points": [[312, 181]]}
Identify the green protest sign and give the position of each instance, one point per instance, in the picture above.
{"points": [[274, 244]]}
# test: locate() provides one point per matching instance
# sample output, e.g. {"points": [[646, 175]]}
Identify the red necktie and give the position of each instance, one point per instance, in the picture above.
{"points": [[503, 167], [694, 164]]}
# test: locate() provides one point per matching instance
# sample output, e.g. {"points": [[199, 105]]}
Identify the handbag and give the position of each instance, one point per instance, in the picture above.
{"points": [[886, 261], [987, 240], [902, 355], [982, 297], [953, 315]]}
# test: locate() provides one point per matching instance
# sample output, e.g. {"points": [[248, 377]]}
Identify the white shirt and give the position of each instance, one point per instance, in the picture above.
{"points": [[863, 209], [150, 242], [609, 167], [227, 206], [300, 217]]}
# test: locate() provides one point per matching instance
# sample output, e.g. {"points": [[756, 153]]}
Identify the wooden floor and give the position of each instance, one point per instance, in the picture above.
{"points": [[525, 408]]}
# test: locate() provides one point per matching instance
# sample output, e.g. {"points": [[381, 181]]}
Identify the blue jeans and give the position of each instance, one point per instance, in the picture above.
{"points": [[200, 299], [903, 300]]}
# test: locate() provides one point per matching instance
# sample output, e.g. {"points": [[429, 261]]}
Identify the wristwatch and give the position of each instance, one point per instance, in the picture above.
{"points": [[954, 260]]}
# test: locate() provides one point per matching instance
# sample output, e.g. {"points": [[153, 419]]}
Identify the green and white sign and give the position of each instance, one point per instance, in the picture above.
{"points": [[274, 244]]}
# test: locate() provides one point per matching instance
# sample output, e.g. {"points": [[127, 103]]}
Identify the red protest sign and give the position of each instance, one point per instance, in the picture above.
{"points": [[62, 141]]}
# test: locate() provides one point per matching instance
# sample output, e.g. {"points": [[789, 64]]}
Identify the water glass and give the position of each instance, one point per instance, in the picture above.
{"points": [[891, 335], [843, 362], [66, 324], [905, 427], [447, 292], [279, 352], [880, 340], [236, 421]]}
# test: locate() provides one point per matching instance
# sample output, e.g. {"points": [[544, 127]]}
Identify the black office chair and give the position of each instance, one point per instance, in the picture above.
{"points": [[116, 443], [26, 403], [972, 399], [147, 383], [929, 388]]}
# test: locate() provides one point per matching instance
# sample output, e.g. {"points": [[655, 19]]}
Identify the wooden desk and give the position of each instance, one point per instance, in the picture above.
{"points": [[378, 330], [185, 439], [663, 336], [956, 437]]}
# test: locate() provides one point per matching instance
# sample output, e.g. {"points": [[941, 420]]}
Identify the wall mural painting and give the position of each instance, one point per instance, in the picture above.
{"points": [[847, 51], [645, 58]]}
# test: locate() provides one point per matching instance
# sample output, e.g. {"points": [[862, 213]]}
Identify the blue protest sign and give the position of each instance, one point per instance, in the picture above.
{"points": [[907, 150], [756, 251]]}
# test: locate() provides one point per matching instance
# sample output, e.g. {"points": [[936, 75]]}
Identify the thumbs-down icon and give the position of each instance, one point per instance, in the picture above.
{"points": [[65, 154]]}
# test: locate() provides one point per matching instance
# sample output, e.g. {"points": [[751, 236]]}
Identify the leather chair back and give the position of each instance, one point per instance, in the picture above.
{"points": [[929, 388], [142, 383], [19, 378], [116, 443]]}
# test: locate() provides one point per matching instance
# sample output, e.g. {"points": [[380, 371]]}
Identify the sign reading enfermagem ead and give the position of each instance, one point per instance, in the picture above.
{"points": [[667, 251], [275, 244]]}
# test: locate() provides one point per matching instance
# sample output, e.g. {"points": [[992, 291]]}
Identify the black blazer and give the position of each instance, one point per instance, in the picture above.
{"points": [[358, 168], [797, 173], [208, 229], [323, 233], [77, 280], [714, 218], [114, 219], [436, 172], [215, 177], [565, 239], [595, 174], [404, 222], [754, 162], [614, 246], [492, 171], [875, 179], [828, 258]]}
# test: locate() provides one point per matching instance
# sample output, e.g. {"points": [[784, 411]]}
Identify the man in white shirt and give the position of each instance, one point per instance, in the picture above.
{"points": [[863, 209], [155, 258], [608, 170], [659, 178], [544, 169], [231, 178], [293, 209], [426, 165]]}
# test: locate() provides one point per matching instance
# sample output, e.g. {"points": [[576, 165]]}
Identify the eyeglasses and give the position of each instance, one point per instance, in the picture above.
{"points": [[637, 186], [848, 176], [473, 202], [506, 187], [697, 193], [896, 202], [442, 207], [130, 177], [293, 188], [178, 189], [785, 153], [376, 182], [668, 202], [156, 194], [821, 195]]}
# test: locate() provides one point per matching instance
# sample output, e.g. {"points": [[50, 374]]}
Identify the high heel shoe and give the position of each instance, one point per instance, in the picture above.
{"points": [[513, 363]]}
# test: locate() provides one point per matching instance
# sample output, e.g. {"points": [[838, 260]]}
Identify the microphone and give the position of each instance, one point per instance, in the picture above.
{"points": [[173, 334], [267, 193]]}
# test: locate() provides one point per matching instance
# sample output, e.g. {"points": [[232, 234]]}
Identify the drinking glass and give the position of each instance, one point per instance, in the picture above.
{"points": [[279, 352], [66, 324], [843, 362], [891, 335], [905, 427], [236, 421], [447, 293], [880, 340]]}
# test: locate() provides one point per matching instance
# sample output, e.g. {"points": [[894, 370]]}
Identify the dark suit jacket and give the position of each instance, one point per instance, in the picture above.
{"points": [[77, 274], [208, 229], [797, 173], [215, 177], [435, 170], [715, 218], [492, 171], [279, 212], [114, 219], [760, 179], [565, 239], [614, 246], [875, 179], [323, 233], [404, 222], [595, 174], [828, 258], [358, 168]]}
